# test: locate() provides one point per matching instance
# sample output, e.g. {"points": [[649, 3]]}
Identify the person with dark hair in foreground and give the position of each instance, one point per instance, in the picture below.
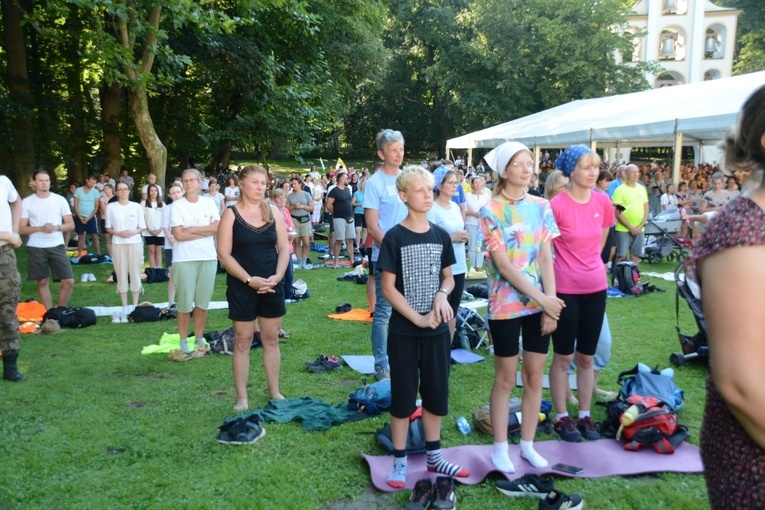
{"points": [[727, 265]]}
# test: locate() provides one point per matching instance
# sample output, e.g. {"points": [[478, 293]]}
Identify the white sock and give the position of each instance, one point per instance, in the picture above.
{"points": [[530, 454], [201, 341], [125, 310], [560, 416], [584, 414], [185, 346], [500, 458]]}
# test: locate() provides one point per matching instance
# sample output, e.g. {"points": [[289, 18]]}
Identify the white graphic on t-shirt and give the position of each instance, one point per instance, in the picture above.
{"points": [[421, 269]]}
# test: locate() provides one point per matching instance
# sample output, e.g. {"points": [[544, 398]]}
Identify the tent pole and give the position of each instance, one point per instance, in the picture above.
{"points": [[470, 157], [536, 158], [678, 159]]}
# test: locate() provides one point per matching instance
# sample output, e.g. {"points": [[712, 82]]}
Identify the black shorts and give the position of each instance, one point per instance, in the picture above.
{"points": [[605, 255], [580, 321], [102, 226], [154, 240], [91, 227], [423, 362], [168, 257], [360, 220], [245, 304], [456, 296], [505, 335]]}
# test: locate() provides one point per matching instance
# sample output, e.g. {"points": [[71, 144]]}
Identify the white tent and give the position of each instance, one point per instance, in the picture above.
{"points": [[697, 114]]}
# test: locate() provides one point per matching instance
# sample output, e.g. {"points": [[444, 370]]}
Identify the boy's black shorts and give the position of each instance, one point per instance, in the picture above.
{"points": [[419, 361]]}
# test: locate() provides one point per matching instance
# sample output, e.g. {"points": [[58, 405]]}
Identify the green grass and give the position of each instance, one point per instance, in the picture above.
{"points": [[98, 425]]}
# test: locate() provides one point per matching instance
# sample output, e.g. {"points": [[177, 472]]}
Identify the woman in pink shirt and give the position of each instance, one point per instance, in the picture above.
{"points": [[584, 218]]}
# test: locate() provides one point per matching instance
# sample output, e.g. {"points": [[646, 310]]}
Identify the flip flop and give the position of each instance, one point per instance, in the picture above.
{"points": [[284, 334]]}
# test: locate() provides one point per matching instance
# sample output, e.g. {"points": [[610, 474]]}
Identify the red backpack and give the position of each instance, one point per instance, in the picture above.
{"points": [[655, 425]]}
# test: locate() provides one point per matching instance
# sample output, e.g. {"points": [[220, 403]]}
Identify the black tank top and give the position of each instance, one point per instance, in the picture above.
{"points": [[254, 248]]}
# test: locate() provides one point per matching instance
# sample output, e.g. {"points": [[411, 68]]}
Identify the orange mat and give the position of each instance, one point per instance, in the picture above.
{"points": [[356, 314]]}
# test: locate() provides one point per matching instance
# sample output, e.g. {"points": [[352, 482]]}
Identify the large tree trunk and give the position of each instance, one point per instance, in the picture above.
{"points": [[156, 152], [224, 155], [110, 123], [77, 160], [22, 140]]}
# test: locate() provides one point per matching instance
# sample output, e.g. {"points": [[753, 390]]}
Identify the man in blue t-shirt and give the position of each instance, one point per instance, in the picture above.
{"points": [[383, 209], [85, 209]]}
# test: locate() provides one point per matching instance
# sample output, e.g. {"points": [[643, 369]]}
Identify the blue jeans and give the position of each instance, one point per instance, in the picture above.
{"points": [[380, 325]]}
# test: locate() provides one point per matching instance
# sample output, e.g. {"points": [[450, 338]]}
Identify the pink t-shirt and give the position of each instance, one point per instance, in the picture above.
{"points": [[578, 266]]}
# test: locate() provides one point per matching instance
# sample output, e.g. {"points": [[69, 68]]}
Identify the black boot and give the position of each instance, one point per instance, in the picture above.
{"points": [[10, 372]]}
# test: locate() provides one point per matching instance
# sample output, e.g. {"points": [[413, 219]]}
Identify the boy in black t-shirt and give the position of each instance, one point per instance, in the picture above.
{"points": [[415, 260]]}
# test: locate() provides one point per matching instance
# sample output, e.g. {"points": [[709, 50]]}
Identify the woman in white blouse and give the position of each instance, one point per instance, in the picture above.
{"points": [[476, 199]]}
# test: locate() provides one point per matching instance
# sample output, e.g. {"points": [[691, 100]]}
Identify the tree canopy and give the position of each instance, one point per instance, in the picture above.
{"points": [[92, 85]]}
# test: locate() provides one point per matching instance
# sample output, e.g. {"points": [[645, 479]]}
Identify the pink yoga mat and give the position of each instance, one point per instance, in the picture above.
{"points": [[605, 457]]}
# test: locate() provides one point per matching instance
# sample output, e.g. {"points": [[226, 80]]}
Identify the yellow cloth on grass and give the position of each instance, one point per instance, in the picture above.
{"points": [[167, 344]]}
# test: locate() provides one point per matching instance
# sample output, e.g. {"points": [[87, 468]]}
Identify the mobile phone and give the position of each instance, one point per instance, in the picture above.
{"points": [[567, 468]]}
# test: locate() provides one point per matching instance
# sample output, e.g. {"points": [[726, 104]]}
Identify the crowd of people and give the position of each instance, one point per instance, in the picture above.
{"points": [[545, 233]]}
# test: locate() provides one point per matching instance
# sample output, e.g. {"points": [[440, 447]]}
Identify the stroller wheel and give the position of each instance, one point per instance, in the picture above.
{"points": [[681, 256], [671, 257], [677, 359], [654, 258]]}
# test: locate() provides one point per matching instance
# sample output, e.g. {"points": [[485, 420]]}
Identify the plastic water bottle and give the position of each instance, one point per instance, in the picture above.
{"points": [[463, 425]]}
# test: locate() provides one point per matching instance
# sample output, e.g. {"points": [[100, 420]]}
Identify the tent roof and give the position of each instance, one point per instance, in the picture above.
{"points": [[703, 112]]}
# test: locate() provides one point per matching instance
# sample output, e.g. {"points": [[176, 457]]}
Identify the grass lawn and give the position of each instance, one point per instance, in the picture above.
{"points": [[98, 425]]}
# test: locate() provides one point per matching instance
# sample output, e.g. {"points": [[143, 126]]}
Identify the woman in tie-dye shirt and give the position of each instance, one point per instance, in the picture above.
{"points": [[517, 231]]}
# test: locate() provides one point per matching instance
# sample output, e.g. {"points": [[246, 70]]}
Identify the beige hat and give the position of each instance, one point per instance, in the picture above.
{"points": [[50, 327]]}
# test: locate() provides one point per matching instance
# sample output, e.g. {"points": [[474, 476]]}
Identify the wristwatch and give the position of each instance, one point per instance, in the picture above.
{"points": [[443, 291]]}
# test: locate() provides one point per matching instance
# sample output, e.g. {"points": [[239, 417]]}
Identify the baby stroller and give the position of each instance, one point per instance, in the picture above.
{"points": [[693, 347], [470, 332], [661, 237]]}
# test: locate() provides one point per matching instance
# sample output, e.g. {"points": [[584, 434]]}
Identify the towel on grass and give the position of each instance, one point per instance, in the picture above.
{"points": [[314, 413], [167, 344], [356, 314]]}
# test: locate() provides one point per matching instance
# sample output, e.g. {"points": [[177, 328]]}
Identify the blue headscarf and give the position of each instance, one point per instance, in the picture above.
{"points": [[568, 159], [439, 174]]}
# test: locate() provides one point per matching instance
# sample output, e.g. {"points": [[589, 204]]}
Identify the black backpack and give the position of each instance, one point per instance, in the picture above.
{"points": [[415, 440], [145, 313], [156, 275], [71, 317], [626, 278]]}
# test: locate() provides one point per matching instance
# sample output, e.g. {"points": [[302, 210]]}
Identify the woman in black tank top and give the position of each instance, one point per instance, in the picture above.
{"points": [[253, 247]]}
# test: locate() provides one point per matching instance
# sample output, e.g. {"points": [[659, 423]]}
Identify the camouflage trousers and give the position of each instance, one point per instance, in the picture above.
{"points": [[10, 288]]}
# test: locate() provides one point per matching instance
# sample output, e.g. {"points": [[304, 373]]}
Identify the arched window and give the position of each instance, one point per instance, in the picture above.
{"points": [[672, 44], [674, 7], [637, 47], [669, 79], [714, 42], [712, 74]]}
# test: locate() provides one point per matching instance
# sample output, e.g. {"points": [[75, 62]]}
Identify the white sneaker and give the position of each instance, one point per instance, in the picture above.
{"points": [[124, 318], [116, 318], [92, 277], [84, 278]]}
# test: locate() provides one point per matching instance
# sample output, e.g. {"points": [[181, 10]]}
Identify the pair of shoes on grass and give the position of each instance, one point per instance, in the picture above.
{"points": [[440, 496], [324, 364], [240, 431], [200, 351], [536, 486], [576, 431]]}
